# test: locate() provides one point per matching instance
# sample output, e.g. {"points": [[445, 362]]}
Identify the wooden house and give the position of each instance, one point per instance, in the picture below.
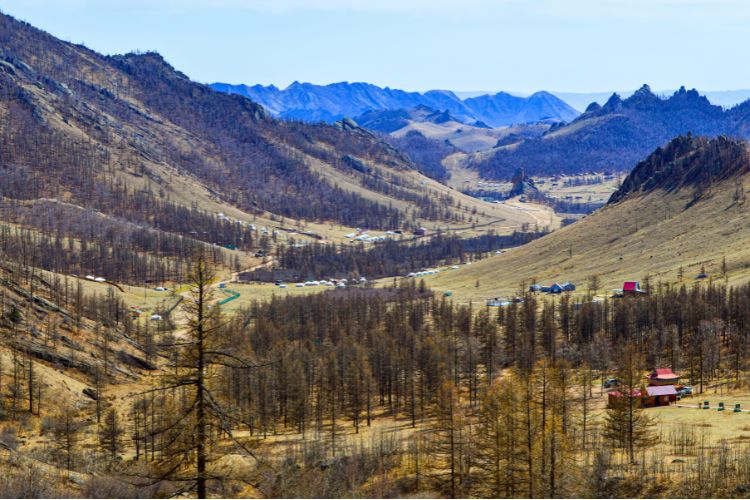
{"points": [[657, 395], [660, 395], [632, 288]]}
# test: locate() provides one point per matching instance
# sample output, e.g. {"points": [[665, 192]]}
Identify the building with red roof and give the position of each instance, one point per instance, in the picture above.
{"points": [[632, 288], [618, 397], [661, 390], [663, 376]]}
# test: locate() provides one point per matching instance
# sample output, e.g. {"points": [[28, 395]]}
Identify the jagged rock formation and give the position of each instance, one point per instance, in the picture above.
{"points": [[616, 135], [687, 161], [522, 184]]}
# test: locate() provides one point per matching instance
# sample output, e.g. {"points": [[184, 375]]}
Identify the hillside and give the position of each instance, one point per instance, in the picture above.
{"points": [[614, 136], [443, 126], [135, 140], [427, 136], [329, 103], [390, 120], [681, 208]]}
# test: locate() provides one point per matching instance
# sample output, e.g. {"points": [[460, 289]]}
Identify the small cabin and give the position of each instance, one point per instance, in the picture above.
{"points": [[420, 231], [568, 287], [660, 395], [556, 288], [643, 398], [632, 288]]}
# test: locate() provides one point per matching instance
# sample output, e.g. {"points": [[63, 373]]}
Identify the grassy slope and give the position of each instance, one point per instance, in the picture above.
{"points": [[187, 190], [597, 192], [651, 235]]}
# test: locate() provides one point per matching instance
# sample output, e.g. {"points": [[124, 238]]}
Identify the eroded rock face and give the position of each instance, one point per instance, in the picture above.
{"points": [[687, 161], [617, 135], [522, 184]]}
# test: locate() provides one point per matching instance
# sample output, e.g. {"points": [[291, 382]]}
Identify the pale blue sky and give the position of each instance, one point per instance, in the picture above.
{"points": [[518, 45]]}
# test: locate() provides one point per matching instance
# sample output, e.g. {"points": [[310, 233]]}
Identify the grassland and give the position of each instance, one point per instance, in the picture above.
{"points": [[655, 236], [251, 292], [591, 193]]}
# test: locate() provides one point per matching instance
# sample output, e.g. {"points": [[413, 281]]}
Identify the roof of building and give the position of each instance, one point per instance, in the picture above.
{"points": [[661, 390], [630, 286], [617, 394], [663, 373]]}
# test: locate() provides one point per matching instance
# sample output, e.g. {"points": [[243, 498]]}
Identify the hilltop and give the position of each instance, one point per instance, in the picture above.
{"points": [[682, 209], [581, 100], [391, 120]]}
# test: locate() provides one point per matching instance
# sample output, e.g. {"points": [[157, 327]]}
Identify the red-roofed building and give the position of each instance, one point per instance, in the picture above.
{"points": [[663, 376], [618, 397], [632, 288], [655, 395]]}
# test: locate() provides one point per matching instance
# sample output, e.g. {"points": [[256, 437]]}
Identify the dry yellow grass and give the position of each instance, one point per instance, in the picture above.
{"points": [[587, 193], [653, 235], [710, 425], [251, 292]]}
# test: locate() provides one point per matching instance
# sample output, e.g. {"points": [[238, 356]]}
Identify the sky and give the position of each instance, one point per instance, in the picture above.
{"points": [[461, 45]]}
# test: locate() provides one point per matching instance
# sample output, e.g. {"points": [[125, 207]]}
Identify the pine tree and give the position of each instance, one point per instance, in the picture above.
{"points": [[448, 441], [496, 441], [66, 430], [626, 425], [110, 434], [191, 414]]}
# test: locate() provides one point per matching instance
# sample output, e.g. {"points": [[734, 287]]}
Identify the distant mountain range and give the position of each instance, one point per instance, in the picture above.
{"points": [[617, 135], [581, 100], [330, 103]]}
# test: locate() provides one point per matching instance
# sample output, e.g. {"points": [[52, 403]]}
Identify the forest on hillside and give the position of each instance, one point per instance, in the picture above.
{"points": [[131, 134], [144, 353]]}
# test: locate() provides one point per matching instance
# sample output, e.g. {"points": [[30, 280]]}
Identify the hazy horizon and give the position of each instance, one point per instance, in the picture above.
{"points": [[582, 46]]}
